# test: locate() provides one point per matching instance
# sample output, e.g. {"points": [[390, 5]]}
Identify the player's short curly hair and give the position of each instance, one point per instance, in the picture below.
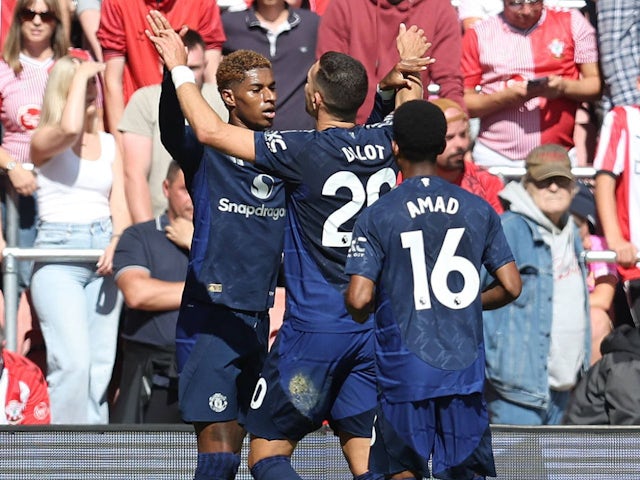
{"points": [[234, 66], [420, 129]]}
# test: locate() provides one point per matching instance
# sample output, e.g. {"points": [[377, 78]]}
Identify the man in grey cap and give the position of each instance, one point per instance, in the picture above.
{"points": [[537, 346]]}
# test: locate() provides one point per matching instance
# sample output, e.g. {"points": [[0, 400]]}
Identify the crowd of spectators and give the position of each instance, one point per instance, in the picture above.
{"points": [[564, 58]]}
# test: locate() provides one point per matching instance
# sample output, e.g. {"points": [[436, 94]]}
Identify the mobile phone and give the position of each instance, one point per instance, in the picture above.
{"points": [[538, 82]]}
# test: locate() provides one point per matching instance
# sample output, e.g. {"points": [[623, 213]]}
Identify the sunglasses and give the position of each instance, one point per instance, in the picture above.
{"points": [[561, 182], [27, 15], [517, 4]]}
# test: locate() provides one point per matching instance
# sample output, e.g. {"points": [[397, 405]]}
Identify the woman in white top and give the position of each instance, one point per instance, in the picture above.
{"points": [[35, 40], [81, 204]]}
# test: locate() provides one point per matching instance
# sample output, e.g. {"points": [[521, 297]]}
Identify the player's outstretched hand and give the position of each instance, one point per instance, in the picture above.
{"points": [[168, 43], [405, 74]]}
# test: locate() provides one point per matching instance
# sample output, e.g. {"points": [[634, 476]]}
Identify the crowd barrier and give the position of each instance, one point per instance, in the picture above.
{"points": [[159, 452], [12, 255]]}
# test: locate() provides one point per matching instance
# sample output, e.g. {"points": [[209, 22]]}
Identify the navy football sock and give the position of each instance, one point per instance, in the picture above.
{"points": [[217, 466], [274, 468], [369, 476]]}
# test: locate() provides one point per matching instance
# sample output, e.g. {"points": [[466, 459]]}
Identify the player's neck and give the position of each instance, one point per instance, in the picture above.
{"points": [[420, 169], [451, 176], [324, 120]]}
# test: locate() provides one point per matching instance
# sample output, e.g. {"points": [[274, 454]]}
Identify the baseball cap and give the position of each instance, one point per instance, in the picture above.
{"points": [[548, 161], [584, 205]]}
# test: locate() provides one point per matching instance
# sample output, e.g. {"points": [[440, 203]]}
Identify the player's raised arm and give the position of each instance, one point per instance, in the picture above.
{"points": [[412, 47], [209, 128], [505, 289]]}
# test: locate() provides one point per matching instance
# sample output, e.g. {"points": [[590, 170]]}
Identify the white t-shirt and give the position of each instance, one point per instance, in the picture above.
{"points": [[75, 190]]}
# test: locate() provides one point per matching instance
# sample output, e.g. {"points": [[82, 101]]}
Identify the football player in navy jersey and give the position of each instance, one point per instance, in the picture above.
{"points": [[415, 259], [321, 366], [223, 325]]}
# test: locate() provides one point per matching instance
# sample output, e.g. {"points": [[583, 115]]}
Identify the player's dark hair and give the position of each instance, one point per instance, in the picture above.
{"points": [[420, 130], [233, 67], [342, 81], [172, 171], [192, 39]]}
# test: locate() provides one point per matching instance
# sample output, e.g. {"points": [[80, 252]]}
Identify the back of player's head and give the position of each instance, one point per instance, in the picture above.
{"points": [[233, 67], [342, 81], [419, 130], [192, 39]]}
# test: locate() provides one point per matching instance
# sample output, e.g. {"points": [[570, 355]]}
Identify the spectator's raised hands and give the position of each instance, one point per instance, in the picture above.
{"points": [[412, 45], [411, 42], [89, 69], [168, 43]]}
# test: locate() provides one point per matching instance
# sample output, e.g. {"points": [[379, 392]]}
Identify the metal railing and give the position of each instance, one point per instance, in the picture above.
{"points": [[12, 255]]}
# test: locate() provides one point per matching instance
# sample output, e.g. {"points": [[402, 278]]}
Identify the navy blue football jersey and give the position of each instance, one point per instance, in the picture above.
{"points": [[424, 245], [331, 176], [239, 218]]}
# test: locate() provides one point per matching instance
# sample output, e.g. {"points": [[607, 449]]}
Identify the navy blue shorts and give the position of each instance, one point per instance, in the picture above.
{"points": [[310, 377], [220, 352], [453, 430]]}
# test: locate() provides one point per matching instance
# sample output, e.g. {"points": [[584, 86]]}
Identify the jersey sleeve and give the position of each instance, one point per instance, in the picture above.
{"points": [[470, 61], [497, 251], [612, 138], [586, 45], [365, 257], [37, 411], [130, 252], [111, 31], [277, 153], [210, 27], [179, 140]]}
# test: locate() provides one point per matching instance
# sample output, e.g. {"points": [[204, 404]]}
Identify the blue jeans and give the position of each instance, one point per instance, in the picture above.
{"points": [[79, 313], [502, 411], [27, 212]]}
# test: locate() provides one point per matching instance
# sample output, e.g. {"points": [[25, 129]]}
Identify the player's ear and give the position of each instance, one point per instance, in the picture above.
{"points": [[227, 97], [395, 149], [317, 100]]}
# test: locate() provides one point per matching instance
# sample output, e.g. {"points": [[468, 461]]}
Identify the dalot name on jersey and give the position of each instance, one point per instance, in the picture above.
{"points": [[363, 152], [427, 204]]}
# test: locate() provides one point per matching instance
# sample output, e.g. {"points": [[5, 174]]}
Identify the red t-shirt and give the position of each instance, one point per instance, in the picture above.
{"points": [[121, 34], [6, 15]]}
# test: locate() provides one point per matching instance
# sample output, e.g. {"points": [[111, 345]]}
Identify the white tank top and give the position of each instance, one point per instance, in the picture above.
{"points": [[74, 190]]}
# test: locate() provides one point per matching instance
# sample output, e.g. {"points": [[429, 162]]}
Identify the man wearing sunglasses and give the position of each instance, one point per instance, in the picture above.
{"points": [[525, 71]]}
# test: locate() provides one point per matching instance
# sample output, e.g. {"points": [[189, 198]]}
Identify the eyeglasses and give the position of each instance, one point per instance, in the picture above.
{"points": [[27, 15], [517, 4]]}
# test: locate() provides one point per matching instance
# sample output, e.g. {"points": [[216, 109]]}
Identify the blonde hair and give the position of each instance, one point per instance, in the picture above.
{"points": [[55, 95], [13, 43]]}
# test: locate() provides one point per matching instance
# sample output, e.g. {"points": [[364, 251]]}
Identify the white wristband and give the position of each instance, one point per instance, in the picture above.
{"points": [[182, 74]]}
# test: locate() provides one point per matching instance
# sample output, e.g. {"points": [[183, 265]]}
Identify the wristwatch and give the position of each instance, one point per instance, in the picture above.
{"points": [[10, 166]]}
